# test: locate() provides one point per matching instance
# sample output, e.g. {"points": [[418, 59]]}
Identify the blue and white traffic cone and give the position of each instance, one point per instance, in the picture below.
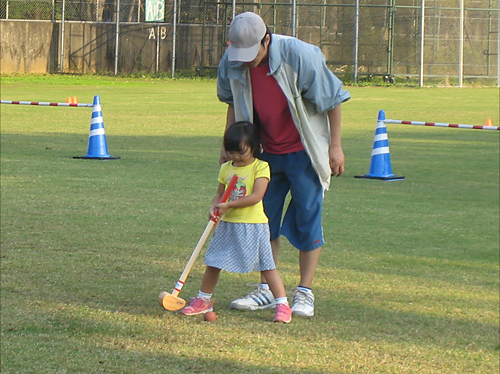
{"points": [[97, 145], [380, 167]]}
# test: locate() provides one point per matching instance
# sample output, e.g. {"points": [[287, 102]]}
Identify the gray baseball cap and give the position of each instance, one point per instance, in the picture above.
{"points": [[246, 31]]}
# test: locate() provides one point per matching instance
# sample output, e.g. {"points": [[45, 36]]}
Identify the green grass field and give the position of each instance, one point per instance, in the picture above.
{"points": [[408, 280]]}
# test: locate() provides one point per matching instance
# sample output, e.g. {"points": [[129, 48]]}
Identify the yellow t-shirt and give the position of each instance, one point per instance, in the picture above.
{"points": [[246, 178]]}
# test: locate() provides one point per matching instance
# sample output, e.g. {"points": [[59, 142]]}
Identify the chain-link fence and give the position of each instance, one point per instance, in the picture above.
{"points": [[443, 41], [74, 10]]}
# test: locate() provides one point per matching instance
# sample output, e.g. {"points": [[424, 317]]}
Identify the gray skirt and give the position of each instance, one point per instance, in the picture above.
{"points": [[240, 248]]}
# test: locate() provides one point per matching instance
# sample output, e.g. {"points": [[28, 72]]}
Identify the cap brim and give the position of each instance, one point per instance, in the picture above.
{"points": [[243, 54]]}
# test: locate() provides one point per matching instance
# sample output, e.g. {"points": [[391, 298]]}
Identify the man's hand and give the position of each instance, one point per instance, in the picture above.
{"points": [[223, 156], [336, 153], [337, 161]]}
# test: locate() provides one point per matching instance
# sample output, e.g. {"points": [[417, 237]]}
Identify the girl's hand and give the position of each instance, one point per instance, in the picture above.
{"points": [[211, 214], [223, 208]]}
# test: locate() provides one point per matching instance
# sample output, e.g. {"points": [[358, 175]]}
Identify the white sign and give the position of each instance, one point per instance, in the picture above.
{"points": [[155, 10]]}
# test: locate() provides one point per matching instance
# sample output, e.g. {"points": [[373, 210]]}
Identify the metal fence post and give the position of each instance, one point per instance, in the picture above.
{"points": [[356, 41], [117, 35], [157, 48], [174, 34], [461, 46], [61, 67], [422, 40], [390, 42]]}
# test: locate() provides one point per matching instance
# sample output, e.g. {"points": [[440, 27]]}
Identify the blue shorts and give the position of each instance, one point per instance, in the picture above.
{"points": [[301, 224]]}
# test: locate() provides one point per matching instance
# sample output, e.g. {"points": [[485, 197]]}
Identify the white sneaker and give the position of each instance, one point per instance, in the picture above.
{"points": [[260, 298], [303, 303]]}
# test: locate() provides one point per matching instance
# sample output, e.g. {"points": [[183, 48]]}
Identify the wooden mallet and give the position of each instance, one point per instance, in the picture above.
{"points": [[171, 301]]}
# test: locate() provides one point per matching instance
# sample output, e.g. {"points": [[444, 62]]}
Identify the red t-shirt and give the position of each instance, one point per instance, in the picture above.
{"points": [[278, 132]]}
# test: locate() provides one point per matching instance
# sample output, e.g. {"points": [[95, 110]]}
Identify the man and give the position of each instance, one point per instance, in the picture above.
{"points": [[284, 86]]}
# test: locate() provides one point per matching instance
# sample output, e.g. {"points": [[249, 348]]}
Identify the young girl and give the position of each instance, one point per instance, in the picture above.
{"points": [[241, 241]]}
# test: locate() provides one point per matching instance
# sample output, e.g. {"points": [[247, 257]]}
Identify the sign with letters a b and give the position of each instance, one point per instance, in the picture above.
{"points": [[155, 10]]}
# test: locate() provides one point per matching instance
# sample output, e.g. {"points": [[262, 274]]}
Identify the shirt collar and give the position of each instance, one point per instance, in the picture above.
{"points": [[274, 54]]}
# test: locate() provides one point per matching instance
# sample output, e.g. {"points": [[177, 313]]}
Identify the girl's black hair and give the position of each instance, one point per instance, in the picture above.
{"points": [[242, 133]]}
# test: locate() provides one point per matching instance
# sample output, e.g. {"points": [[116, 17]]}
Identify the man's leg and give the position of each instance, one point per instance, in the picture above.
{"points": [[275, 245], [302, 226], [303, 297], [274, 202], [308, 261]]}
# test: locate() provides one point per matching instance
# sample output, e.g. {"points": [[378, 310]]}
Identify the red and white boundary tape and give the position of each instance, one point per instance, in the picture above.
{"points": [[46, 104], [437, 124]]}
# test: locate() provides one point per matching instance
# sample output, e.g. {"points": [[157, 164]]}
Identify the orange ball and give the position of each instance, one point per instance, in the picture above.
{"points": [[210, 316]]}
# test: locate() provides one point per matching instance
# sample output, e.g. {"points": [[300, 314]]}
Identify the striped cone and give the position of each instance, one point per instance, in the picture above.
{"points": [[380, 167], [97, 146]]}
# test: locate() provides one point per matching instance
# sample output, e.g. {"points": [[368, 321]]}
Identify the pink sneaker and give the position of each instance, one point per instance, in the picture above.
{"points": [[198, 306], [283, 313]]}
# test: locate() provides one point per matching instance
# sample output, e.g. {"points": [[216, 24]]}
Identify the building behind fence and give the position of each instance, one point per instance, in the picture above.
{"points": [[448, 42]]}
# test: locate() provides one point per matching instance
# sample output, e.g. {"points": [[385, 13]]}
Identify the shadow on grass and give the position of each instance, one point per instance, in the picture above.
{"points": [[91, 244]]}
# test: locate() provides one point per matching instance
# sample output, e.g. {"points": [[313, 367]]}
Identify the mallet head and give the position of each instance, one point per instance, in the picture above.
{"points": [[171, 302]]}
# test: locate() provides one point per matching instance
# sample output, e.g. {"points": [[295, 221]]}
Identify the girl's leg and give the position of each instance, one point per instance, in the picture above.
{"points": [[204, 303], [210, 279], [283, 312], [275, 283]]}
